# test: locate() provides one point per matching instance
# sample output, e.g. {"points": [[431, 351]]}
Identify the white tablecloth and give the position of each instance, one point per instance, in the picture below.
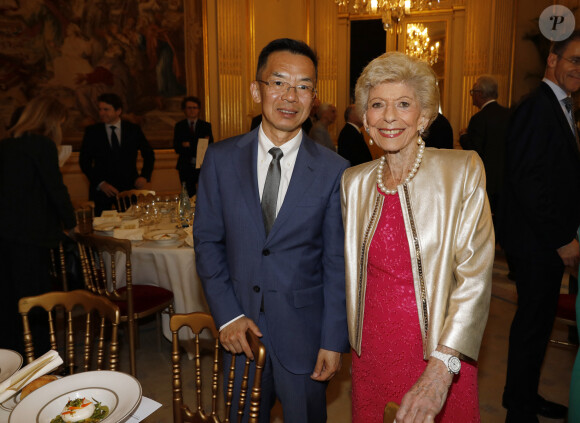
{"points": [[172, 268]]}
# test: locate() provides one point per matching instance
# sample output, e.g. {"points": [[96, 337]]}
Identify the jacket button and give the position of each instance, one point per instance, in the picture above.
{"points": [[256, 288], [266, 252]]}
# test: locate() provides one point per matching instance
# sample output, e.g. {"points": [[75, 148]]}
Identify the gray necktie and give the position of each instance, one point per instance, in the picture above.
{"points": [[569, 105], [270, 193]]}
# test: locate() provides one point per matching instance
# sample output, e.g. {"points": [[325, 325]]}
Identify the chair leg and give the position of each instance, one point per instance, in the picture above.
{"points": [[132, 342]]}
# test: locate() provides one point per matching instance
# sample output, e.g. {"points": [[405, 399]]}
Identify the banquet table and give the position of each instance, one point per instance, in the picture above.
{"points": [[171, 267]]}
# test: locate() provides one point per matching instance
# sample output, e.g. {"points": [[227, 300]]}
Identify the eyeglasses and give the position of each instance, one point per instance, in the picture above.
{"points": [[280, 87], [474, 91], [575, 61]]}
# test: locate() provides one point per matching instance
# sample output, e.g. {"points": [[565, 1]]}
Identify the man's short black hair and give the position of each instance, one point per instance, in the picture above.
{"points": [[559, 47], [111, 99], [192, 99], [285, 44]]}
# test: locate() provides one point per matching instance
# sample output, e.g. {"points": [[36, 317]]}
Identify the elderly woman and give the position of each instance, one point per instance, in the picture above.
{"points": [[35, 208], [419, 252]]}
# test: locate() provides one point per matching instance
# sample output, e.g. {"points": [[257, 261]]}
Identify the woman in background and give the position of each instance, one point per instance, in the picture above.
{"points": [[35, 208], [419, 252]]}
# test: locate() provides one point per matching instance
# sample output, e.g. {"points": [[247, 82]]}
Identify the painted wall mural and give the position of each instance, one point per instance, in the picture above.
{"points": [[78, 49]]}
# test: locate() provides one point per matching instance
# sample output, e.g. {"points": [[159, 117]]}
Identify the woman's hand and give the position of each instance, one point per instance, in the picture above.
{"points": [[427, 396]]}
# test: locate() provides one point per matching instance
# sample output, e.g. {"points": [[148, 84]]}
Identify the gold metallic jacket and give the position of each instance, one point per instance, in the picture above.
{"points": [[451, 241]]}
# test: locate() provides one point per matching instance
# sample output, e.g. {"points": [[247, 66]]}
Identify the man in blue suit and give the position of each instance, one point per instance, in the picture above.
{"points": [[269, 239]]}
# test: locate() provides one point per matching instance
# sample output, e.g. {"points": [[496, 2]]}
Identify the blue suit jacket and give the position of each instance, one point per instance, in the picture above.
{"points": [[298, 268]]}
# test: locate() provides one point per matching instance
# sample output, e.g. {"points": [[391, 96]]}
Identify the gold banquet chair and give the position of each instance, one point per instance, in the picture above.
{"points": [[181, 412], [134, 301], [58, 267], [125, 198], [390, 412], [95, 331]]}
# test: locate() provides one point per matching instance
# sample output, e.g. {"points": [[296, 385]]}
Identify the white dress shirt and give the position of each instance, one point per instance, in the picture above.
{"points": [[287, 162], [561, 95]]}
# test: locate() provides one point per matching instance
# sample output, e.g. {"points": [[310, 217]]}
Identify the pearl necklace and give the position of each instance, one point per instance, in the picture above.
{"points": [[411, 174]]}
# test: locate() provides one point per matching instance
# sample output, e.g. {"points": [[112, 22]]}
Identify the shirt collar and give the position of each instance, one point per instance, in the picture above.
{"points": [[559, 92], [356, 126], [287, 148], [487, 102]]}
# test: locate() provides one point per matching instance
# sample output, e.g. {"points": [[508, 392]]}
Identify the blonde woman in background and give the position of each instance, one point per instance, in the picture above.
{"points": [[35, 208]]}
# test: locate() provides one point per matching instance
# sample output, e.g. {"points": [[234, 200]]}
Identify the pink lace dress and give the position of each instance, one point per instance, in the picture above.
{"points": [[391, 358]]}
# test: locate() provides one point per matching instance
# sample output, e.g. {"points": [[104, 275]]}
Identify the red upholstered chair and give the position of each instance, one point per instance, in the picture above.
{"points": [[100, 257], [566, 314]]}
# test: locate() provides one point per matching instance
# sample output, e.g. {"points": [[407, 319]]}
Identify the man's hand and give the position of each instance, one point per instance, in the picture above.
{"points": [[233, 336], [327, 364], [140, 182], [108, 189], [427, 396], [185, 144], [570, 253]]}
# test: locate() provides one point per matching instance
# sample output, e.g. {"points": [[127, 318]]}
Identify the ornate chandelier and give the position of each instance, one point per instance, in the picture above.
{"points": [[419, 45], [391, 11]]}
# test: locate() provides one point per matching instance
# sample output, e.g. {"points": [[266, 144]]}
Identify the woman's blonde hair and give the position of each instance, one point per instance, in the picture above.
{"points": [[398, 67], [42, 116]]}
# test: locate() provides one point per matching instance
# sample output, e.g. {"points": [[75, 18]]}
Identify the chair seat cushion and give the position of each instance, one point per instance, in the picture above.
{"points": [[566, 306], [145, 297]]}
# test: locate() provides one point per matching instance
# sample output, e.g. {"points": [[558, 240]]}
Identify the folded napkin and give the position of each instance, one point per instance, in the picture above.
{"points": [[39, 367], [189, 235], [130, 224], [112, 220], [132, 234]]}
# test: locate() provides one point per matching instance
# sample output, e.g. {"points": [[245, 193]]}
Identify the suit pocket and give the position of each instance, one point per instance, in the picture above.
{"points": [[308, 296]]}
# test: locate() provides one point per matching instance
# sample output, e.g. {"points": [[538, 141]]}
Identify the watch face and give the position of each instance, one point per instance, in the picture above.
{"points": [[454, 365]]}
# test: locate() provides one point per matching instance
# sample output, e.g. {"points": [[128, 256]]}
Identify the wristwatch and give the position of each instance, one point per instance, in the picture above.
{"points": [[453, 363]]}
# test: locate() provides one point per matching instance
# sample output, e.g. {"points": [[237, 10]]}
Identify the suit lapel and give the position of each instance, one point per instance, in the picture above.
{"points": [[562, 119], [302, 177], [245, 163]]}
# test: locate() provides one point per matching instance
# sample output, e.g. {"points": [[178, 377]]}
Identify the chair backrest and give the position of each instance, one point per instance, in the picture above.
{"points": [[126, 198], [181, 412], [93, 251], [94, 336]]}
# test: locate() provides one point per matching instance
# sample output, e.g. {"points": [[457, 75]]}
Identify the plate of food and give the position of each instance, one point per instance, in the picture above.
{"points": [[89, 397], [10, 363], [13, 401], [165, 236]]}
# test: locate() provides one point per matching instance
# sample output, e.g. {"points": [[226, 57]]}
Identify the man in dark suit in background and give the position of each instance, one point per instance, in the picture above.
{"points": [[108, 155], [540, 214], [269, 240], [440, 133], [486, 135], [186, 134], [351, 143]]}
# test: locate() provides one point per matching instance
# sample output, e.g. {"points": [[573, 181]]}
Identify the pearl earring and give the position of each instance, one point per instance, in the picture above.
{"points": [[367, 129], [371, 141]]}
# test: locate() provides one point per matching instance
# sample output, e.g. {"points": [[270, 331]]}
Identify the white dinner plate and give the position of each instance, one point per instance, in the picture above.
{"points": [[165, 236], [10, 363], [11, 402], [118, 391], [105, 228]]}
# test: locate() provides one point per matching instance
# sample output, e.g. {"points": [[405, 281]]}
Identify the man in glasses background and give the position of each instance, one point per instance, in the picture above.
{"points": [[269, 240], [486, 135]]}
